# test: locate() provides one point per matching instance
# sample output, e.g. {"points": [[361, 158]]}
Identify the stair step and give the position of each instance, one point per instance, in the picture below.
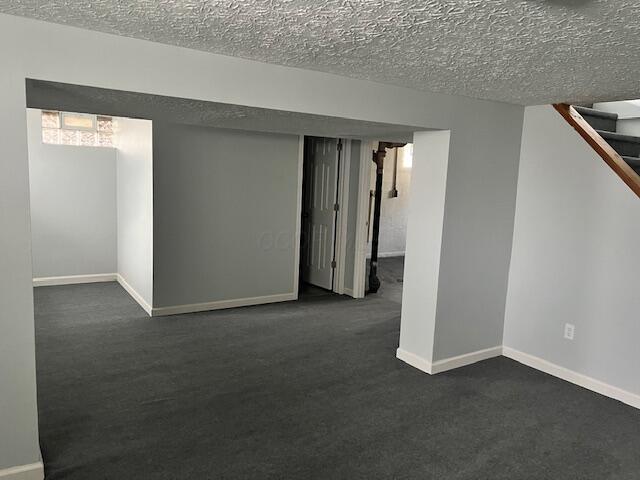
{"points": [[598, 119], [621, 137], [595, 113], [634, 162], [625, 145]]}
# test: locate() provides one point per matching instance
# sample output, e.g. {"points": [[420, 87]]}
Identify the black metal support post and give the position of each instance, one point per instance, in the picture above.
{"points": [[378, 159]]}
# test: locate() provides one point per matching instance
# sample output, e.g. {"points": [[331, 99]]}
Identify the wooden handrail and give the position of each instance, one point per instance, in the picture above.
{"points": [[600, 145]]}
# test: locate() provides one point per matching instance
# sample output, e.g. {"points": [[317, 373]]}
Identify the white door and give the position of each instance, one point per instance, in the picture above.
{"points": [[319, 210]]}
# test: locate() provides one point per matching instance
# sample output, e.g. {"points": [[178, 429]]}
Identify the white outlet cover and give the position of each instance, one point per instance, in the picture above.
{"points": [[569, 331]]}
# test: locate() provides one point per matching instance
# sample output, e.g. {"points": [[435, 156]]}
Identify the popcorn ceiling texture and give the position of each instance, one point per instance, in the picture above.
{"points": [[518, 51]]}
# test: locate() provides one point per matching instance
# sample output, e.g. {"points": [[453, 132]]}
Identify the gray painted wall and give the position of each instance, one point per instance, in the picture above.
{"points": [[18, 410], [352, 213], [73, 206], [27, 52], [478, 231], [226, 214], [424, 245], [575, 257], [134, 144]]}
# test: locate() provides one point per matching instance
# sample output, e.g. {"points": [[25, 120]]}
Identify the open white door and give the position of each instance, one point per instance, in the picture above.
{"points": [[319, 210]]}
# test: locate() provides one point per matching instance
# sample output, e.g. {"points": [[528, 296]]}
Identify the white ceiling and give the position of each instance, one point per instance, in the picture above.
{"points": [[518, 51], [75, 98]]}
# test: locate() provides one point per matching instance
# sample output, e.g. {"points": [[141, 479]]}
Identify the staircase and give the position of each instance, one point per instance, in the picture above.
{"points": [[605, 124]]}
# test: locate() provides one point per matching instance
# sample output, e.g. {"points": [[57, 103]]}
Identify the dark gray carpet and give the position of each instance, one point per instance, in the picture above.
{"points": [[303, 390], [390, 273]]}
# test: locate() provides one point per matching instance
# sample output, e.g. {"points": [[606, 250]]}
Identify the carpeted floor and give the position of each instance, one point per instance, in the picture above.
{"points": [[390, 273], [301, 390]]}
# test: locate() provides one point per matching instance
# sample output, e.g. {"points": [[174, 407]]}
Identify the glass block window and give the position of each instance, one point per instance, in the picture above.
{"points": [[50, 120], [77, 129], [105, 124]]}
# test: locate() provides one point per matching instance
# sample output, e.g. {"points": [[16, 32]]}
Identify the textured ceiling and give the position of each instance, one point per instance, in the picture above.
{"points": [[518, 51], [74, 98]]}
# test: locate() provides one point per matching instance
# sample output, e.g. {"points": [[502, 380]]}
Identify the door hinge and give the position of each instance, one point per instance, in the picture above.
{"points": [[339, 145], [333, 264], [336, 207]]}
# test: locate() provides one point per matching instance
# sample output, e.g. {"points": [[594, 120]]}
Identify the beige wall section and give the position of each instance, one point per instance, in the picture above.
{"points": [[575, 257], [226, 209], [478, 213]]}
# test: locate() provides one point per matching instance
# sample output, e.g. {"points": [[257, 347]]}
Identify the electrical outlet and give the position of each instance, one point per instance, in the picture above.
{"points": [[569, 331]]}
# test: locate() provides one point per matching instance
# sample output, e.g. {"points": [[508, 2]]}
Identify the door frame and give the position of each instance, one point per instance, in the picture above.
{"points": [[342, 215], [337, 241], [298, 232], [367, 147], [365, 163]]}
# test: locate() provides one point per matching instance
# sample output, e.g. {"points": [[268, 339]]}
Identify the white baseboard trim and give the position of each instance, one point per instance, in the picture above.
{"points": [[576, 378], [135, 295], [440, 366], [74, 279], [414, 360], [466, 359], [33, 471], [222, 304], [432, 368]]}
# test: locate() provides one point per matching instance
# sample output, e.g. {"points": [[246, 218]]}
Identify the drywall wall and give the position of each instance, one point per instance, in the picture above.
{"points": [[480, 188], [18, 410], [352, 213], [575, 257], [73, 206], [423, 247], [477, 235], [226, 215], [394, 212], [134, 145]]}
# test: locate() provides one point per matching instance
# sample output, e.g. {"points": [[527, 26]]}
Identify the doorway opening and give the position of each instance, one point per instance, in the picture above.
{"points": [[337, 216], [84, 337], [321, 235], [387, 243], [90, 179]]}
